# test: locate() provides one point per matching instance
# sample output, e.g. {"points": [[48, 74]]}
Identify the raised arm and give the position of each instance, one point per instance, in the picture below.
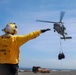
{"points": [[21, 39]]}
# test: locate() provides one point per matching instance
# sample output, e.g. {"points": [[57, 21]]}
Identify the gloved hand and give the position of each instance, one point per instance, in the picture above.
{"points": [[44, 30]]}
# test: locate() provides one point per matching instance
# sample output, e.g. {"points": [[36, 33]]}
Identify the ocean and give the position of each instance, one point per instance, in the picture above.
{"points": [[30, 69]]}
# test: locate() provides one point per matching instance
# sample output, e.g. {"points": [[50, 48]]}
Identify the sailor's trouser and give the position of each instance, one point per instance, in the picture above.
{"points": [[9, 69]]}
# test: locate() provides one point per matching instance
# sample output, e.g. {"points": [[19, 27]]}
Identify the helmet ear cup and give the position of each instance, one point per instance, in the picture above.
{"points": [[15, 31]]}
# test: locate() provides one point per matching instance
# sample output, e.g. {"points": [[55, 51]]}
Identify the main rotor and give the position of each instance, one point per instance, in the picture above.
{"points": [[60, 21]]}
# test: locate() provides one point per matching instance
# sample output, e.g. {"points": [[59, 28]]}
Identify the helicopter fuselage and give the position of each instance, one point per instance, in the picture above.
{"points": [[60, 29]]}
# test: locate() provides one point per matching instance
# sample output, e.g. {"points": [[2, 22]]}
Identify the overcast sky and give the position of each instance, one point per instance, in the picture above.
{"points": [[42, 51]]}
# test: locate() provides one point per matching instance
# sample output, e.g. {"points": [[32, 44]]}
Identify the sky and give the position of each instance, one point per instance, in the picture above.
{"points": [[42, 51]]}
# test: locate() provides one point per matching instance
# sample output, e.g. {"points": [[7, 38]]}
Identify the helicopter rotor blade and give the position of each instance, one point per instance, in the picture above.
{"points": [[61, 16], [46, 21]]}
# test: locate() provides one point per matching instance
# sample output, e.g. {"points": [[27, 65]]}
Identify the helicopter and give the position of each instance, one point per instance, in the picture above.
{"points": [[58, 26]]}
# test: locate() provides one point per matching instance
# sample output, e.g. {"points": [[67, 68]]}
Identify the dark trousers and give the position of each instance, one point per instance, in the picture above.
{"points": [[9, 69]]}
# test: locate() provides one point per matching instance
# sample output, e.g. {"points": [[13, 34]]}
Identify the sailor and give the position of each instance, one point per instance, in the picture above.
{"points": [[10, 48]]}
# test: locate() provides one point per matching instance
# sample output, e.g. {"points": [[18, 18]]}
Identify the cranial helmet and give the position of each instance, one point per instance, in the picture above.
{"points": [[11, 28]]}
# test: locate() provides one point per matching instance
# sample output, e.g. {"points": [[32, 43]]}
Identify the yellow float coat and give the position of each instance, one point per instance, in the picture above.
{"points": [[10, 46]]}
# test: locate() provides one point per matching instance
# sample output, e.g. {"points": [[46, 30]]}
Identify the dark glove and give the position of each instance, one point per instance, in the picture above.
{"points": [[44, 30]]}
